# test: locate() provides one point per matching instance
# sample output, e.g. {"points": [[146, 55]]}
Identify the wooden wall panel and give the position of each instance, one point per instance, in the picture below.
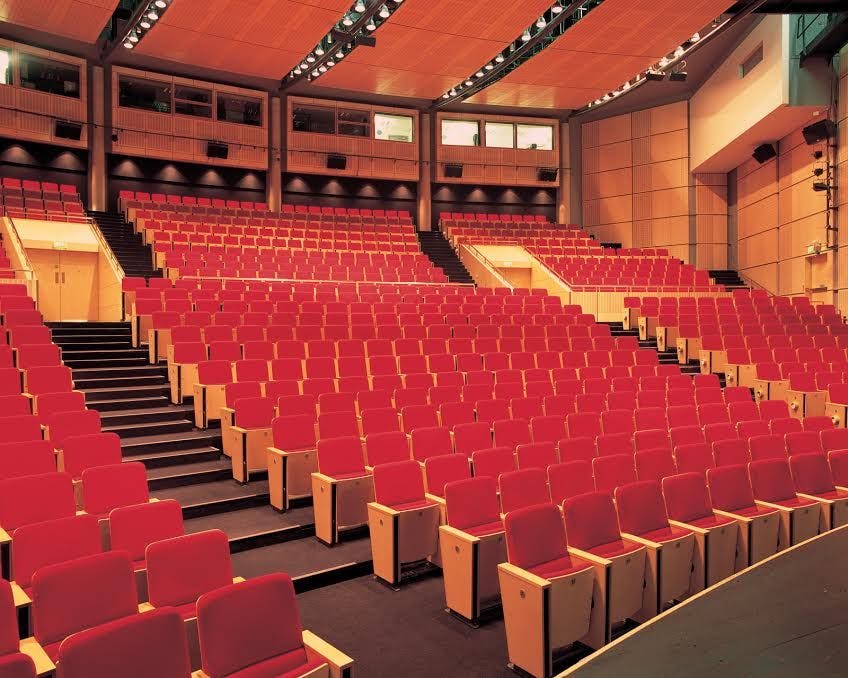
{"points": [[842, 180]]}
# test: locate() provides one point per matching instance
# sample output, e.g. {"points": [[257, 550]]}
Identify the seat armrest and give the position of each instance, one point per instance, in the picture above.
{"points": [[145, 607], [812, 497], [43, 664], [276, 451], [778, 507], [433, 498], [590, 557], [19, 596], [339, 662], [734, 516], [639, 540], [449, 531], [329, 480], [382, 508], [524, 575], [5, 538], [687, 526]]}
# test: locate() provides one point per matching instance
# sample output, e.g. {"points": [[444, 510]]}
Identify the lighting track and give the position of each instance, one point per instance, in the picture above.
{"points": [[540, 35], [355, 28], [144, 18]]}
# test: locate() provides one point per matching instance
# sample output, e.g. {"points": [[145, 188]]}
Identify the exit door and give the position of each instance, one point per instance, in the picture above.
{"points": [[67, 284]]}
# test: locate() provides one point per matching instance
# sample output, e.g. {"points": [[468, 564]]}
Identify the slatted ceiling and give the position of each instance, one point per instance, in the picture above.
{"points": [[612, 43], [427, 46], [82, 20], [263, 38]]}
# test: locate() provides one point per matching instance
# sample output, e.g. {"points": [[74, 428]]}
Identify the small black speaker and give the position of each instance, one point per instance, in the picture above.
{"points": [[215, 149], [67, 130], [337, 162], [819, 131], [453, 171], [764, 152], [548, 173]]}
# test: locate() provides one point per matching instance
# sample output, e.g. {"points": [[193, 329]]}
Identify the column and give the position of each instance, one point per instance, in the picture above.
{"points": [[564, 188], [274, 182], [425, 170], [97, 198]]}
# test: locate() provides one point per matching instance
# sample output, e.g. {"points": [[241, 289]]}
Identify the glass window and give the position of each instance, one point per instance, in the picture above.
{"points": [[460, 133], [241, 110], [5, 68], [393, 127], [46, 75], [499, 135], [192, 101], [354, 123], [313, 119], [535, 137], [147, 95]]}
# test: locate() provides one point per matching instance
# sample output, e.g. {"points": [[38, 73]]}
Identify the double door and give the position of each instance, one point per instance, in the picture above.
{"points": [[67, 284]]}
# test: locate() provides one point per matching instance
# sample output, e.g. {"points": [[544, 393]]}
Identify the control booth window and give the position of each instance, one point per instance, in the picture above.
{"points": [[193, 101], [393, 127], [240, 110], [535, 137], [5, 67], [354, 123], [314, 119], [148, 95], [500, 135], [46, 75], [460, 133]]}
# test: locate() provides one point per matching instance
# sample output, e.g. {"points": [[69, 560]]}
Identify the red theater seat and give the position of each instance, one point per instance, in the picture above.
{"points": [[109, 487]]}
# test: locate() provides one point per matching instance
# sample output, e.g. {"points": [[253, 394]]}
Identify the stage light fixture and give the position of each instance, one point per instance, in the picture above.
{"points": [[479, 74], [695, 38], [322, 69], [540, 22], [371, 26], [499, 58], [655, 76], [663, 62], [161, 4], [469, 82], [818, 171], [679, 52], [340, 54], [128, 44], [384, 12], [347, 20], [319, 50], [678, 76], [152, 15], [557, 8], [359, 6], [489, 66], [144, 23], [452, 92], [133, 38], [525, 36], [331, 63]]}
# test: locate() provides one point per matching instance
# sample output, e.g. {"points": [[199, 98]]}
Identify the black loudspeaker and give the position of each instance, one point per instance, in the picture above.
{"points": [[819, 131], [453, 171], [337, 162], [764, 152], [548, 173], [216, 149], [67, 130]]}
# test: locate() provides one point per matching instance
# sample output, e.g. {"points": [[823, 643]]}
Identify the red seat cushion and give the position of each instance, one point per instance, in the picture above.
{"points": [[560, 567], [711, 521], [346, 476], [614, 549], [796, 502], [665, 534], [288, 665], [411, 505], [485, 528], [752, 511]]}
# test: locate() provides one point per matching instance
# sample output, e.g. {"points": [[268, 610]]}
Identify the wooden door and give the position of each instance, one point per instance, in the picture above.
{"points": [[46, 265], [78, 281]]}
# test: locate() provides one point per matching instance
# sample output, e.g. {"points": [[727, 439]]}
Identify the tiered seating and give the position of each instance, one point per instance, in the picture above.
{"points": [[31, 199]]}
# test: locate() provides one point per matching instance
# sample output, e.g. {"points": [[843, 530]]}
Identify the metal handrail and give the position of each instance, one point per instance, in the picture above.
{"points": [[107, 249], [483, 259]]}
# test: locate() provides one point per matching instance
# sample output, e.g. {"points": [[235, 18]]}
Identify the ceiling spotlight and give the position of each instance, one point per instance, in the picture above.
{"points": [[663, 62], [384, 12], [678, 76], [297, 71], [359, 6], [499, 58], [679, 52], [371, 26], [133, 37], [315, 73], [479, 74], [452, 92], [310, 59], [144, 23], [319, 50], [540, 22], [597, 102], [469, 82], [445, 96], [347, 21], [525, 36], [606, 97], [695, 37], [322, 69], [556, 9], [654, 75], [339, 55], [489, 66], [626, 86], [331, 63], [153, 16], [161, 4], [128, 44]]}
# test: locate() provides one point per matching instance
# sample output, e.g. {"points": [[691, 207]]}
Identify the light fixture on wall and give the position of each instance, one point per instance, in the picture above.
{"points": [[143, 19]]}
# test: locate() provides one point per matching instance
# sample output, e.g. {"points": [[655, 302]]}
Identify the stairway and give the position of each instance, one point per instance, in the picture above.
{"points": [[440, 252], [665, 357], [730, 279], [135, 258]]}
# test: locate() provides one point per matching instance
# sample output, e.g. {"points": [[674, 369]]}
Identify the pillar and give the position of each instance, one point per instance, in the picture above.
{"points": [[97, 175], [274, 183], [425, 170], [564, 188]]}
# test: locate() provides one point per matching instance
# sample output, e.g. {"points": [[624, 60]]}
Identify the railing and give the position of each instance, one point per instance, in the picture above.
{"points": [[107, 250], [26, 273], [304, 281], [809, 27], [490, 265]]}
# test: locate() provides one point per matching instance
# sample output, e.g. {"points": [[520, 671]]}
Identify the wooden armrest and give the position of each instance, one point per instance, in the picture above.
{"points": [[239, 580], [449, 531], [590, 557], [335, 658], [524, 575], [19, 596], [813, 497], [145, 607], [766, 504], [734, 516], [276, 451], [239, 429], [31, 648], [382, 508], [324, 479], [4, 537], [436, 500], [687, 526], [644, 542]]}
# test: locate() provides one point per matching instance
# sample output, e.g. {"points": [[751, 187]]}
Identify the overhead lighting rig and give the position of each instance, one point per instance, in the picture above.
{"points": [[543, 32], [355, 29], [142, 21]]}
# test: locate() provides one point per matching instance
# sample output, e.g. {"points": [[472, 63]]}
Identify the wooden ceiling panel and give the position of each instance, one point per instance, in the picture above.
{"points": [[427, 46], [263, 38], [82, 20], [612, 43]]}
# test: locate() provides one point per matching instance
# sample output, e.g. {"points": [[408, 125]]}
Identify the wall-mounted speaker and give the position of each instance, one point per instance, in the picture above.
{"points": [[548, 173], [764, 152], [336, 162], [819, 131], [215, 149], [453, 171], [67, 130]]}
